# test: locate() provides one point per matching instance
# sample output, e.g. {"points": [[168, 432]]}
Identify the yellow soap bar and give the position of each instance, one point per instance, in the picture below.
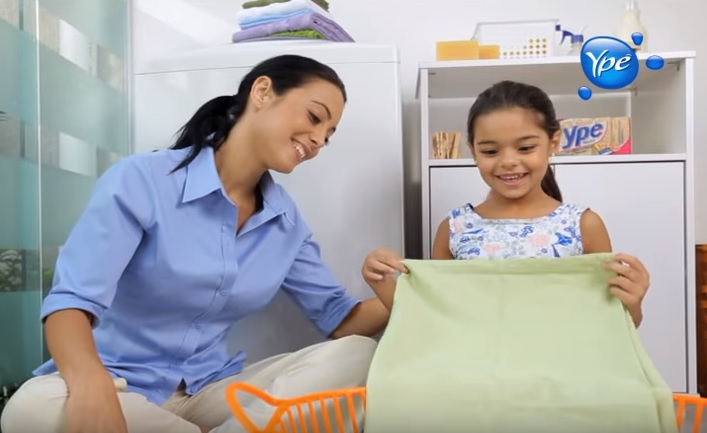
{"points": [[458, 50], [489, 52]]}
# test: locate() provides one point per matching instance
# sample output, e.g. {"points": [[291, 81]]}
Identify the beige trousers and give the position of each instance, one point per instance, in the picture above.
{"points": [[38, 405]]}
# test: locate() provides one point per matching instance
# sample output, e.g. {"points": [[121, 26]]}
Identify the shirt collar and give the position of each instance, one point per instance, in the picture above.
{"points": [[202, 179]]}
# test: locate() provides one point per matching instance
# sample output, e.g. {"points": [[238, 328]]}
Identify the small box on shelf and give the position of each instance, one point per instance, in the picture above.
{"points": [[469, 49], [596, 136]]}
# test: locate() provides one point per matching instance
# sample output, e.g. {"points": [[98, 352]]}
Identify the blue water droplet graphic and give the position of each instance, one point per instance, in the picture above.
{"points": [[655, 62], [585, 93], [637, 38]]}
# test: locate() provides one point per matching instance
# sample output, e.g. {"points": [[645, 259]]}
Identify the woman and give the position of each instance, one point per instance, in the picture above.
{"points": [[177, 245]]}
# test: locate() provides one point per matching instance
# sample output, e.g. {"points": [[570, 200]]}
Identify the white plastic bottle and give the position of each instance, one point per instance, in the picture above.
{"points": [[576, 47], [630, 24]]}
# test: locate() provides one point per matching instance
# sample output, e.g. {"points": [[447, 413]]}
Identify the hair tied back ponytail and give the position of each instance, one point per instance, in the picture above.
{"points": [[213, 121], [209, 126]]}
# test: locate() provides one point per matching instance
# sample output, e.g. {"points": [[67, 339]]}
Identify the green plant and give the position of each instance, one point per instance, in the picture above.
{"points": [[11, 270], [19, 270]]}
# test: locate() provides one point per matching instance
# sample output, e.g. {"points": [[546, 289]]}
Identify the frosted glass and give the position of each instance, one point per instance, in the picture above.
{"points": [[48, 170], [64, 197], [102, 21], [18, 69], [21, 346], [23, 342], [79, 104], [10, 136], [19, 200]]}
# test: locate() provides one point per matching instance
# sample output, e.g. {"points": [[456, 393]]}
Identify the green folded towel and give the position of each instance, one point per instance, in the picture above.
{"points": [[513, 346], [311, 34], [258, 3]]}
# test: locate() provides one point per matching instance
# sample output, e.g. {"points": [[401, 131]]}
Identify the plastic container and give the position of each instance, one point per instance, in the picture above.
{"points": [[519, 39], [570, 44], [576, 45], [288, 415], [630, 24], [558, 38]]}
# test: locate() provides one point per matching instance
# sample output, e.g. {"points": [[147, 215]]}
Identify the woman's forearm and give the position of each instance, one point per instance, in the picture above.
{"points": [[71, 344], [384, 290], [368, 318]]}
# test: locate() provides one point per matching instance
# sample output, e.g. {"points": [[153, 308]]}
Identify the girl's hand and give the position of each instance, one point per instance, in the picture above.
{"points": [[381, 263], [631, 284]]}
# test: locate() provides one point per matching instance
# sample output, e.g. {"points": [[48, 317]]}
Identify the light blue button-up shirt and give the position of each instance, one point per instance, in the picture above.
{"points": [[156, 259]]}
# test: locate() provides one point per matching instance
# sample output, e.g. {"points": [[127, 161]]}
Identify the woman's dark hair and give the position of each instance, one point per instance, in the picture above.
{"points": [[212, 122], [509, 94]]}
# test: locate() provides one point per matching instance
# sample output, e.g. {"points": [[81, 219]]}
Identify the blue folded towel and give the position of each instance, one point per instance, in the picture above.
{"points": [[247, 23], [308, 21]]}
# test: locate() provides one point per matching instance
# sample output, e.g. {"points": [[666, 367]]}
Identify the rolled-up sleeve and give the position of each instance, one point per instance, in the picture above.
{"points": [[312, 286], [101, 244]]}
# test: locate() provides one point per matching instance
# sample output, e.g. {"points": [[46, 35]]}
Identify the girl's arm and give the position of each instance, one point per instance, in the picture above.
{"points": [[440, 247], [595, 238]]}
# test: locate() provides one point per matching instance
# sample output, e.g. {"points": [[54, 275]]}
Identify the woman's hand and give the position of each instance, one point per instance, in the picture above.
{"points": [[631, 284], [381, 263], [379, 270], [93, 406]]}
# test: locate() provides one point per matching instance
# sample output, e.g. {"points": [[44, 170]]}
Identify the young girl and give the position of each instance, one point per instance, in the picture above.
{"points": [[513, 132]]}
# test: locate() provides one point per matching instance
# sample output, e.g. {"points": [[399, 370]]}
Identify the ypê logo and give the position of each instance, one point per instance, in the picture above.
{"points": [[610, 63]]}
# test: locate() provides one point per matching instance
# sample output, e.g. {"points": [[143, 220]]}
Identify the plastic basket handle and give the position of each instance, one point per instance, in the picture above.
{"points": [[684, 400], [285, 409]]}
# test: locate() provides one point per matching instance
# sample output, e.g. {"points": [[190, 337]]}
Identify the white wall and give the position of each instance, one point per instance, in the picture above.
{"points": [[415, 25]]}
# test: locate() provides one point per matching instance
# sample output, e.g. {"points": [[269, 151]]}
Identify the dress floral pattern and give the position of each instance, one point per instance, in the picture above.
{"points": [[555, 235]]}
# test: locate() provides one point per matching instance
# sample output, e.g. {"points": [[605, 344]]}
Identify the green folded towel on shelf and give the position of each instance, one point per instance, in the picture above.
{"points": [[311, 34], [259, 3]]}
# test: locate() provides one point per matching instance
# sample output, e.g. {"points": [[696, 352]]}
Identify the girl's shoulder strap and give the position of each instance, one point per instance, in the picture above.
{"points": [[461, 212], [458, 216], [573, 211]]}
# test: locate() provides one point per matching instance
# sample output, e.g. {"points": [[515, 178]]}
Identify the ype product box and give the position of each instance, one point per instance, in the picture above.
{"points": [[596, 136]]}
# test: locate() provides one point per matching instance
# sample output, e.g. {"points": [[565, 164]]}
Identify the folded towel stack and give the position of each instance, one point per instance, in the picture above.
{"points": [[269, 19]]}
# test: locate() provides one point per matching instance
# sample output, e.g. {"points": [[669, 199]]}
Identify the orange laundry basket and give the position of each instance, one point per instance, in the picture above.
{"points": [[284, 419], [288, 411], [686, 403]]}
